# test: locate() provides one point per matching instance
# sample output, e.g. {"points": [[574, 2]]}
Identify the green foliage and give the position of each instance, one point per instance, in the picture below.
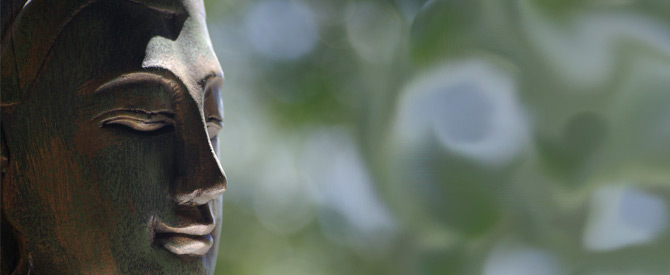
{"points": [[354, 143]]}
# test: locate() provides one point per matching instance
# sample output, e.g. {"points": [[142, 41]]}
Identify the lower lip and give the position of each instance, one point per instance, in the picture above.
{"points": [[181, 244]]}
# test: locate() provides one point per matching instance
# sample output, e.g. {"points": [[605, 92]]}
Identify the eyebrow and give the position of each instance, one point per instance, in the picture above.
{"points": [[138, 78], [205, 80]]}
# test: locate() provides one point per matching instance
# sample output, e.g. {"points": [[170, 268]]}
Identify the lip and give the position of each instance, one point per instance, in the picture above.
{"points": [[192, 239]]}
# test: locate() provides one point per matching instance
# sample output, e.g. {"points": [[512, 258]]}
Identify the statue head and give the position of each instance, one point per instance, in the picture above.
{"points": [[110, 111]]}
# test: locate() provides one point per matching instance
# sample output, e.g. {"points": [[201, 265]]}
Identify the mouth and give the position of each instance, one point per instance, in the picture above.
{"points": [[191, 237]]}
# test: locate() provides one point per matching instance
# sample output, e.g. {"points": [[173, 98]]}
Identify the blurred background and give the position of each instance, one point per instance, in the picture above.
{"points": [[445, 137]]}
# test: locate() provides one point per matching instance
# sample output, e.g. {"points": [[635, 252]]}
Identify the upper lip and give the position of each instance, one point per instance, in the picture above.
{"points": [[191, 236], [191, 229]]}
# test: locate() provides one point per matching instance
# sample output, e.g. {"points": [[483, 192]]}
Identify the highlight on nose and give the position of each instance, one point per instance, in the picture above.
{"points": [[201, 196]]}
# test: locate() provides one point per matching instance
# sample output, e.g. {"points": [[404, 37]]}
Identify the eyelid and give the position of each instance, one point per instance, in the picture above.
{"points": [[138, 120], [139, 124], [214, 125], [215, 119]]}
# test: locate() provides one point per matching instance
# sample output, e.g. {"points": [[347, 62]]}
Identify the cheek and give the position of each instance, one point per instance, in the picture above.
{"points": [[135, 170], [50, 195], [132, 173], [47, 178]]}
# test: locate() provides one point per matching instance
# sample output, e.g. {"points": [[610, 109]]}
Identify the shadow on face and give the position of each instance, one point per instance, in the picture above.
{"points": [[110, 139]]}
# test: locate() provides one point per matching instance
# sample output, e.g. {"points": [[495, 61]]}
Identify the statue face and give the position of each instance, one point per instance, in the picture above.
{"points": [[112, 165]]}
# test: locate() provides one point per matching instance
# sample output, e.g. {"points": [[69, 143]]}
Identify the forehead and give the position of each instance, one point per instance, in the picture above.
{"points": [[189, 56], [104, 39], [176, 6]]}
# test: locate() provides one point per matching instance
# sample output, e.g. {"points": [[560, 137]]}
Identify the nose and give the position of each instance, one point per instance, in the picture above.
{"points": [[200, 177]]}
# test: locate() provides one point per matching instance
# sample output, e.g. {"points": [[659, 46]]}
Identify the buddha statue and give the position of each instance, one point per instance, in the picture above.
{"points": [[110, 112]]}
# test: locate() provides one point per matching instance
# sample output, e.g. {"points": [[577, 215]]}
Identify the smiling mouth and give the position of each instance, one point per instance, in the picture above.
{"points": [[190, 237]]}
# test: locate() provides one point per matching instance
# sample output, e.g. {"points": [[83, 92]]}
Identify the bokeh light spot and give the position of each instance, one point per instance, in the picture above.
{"points": [[282, 30], [509, 259], [622, 216]]}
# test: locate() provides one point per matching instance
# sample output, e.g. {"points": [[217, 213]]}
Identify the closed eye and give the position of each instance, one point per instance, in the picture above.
{"points": [[214, 125], [140, 121]]}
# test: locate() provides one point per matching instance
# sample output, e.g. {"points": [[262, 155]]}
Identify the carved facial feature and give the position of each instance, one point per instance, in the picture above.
{"points": [[142, 119], [213, 109], [113, 166], [165, 107]]}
